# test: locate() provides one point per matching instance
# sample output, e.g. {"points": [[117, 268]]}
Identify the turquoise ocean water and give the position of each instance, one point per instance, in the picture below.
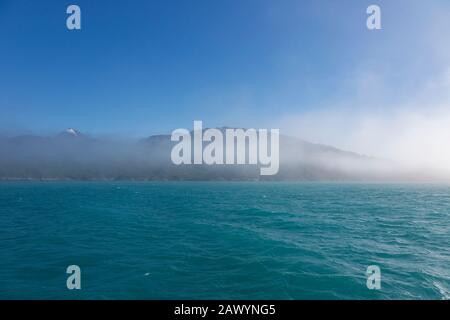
{"points": [[224, 240]]}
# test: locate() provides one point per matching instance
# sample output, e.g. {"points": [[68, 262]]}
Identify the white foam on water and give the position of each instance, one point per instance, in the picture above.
{"points": [[444, 291]]}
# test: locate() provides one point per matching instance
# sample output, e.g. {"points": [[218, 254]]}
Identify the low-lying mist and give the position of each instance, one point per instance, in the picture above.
{"points": [[80, 157]]}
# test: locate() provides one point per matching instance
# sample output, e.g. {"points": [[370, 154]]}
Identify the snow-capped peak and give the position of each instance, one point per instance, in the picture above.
{"points": [[72, 132]]}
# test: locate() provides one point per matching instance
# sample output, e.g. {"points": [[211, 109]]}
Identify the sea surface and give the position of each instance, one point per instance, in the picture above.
{"points": [[224, 240]]}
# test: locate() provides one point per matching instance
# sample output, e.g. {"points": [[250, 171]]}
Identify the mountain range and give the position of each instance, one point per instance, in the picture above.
{"points": [[72, 155]]}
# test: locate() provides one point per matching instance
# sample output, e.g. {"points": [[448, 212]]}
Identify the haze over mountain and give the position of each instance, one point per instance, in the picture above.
{"points": [[72, 155]]}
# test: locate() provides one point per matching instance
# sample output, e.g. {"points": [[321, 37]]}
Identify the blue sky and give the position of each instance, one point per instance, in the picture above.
{"points": [[144, 67]]}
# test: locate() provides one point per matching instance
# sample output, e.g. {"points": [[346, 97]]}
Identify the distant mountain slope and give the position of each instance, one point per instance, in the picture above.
{"points": [[73, 155]]}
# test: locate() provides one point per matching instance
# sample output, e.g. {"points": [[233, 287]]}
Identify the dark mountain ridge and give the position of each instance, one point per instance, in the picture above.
{"points": [[72, 155]]}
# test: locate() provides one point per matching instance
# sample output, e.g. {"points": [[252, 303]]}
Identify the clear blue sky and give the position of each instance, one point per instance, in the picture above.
{"points": [[144, 67]]}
